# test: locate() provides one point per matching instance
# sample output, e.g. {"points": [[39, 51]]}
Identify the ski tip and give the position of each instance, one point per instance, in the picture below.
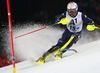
{"points": [[39, 62]]}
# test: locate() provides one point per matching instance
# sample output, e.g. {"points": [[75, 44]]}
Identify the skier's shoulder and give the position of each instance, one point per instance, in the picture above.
{"points": [[64, 13], [80, 13]]}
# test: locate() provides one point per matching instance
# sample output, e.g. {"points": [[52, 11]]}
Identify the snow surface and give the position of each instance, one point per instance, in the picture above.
{"points": [[32, 46]]}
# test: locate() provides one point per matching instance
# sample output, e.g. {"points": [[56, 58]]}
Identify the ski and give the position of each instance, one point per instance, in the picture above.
{"points": [[65, 49]]}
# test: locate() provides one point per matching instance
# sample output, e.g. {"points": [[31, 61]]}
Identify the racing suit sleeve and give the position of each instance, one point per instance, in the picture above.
{"points": [[86, 19], [62, 16]]}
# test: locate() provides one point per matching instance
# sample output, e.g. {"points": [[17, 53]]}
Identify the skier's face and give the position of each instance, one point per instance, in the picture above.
{"points": [[72, 12]]}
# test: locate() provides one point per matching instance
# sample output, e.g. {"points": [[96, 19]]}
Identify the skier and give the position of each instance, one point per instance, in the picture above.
{"points": [[71, 34]]}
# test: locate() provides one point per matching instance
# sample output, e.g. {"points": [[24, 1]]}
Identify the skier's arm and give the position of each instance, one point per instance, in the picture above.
{"points": [[62, 16], [87, 20], [91, 25]]}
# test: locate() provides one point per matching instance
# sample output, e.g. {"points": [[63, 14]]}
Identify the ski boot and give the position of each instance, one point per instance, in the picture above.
{"points": [[40, 61], [47, 54], [59, 55]]}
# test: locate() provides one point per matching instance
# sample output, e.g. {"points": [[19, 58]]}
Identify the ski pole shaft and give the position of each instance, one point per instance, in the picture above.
{"points": [[34, 31], [97, 28], [30, 32], [62, 21]]}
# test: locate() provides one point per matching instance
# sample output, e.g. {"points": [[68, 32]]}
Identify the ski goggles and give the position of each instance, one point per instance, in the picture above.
{"points": [[72, 10]]}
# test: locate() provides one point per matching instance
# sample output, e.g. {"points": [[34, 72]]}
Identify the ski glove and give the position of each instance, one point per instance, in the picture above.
{"points": [[63, 21], [91, 26]]}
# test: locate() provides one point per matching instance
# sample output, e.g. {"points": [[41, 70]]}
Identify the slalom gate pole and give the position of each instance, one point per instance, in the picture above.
{"points": [[35, 31], [11, 35]]}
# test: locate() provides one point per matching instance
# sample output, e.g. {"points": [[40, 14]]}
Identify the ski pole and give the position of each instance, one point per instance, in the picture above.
{"points": [[97, 28], [92, 27], [63, 21], [34, 31]]}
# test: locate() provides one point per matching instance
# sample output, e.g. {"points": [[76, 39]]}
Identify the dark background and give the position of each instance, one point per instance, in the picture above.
{"points": [[44, 11]]}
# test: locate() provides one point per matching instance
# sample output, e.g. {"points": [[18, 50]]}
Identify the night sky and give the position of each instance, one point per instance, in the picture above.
{"points": [[23, 10], [45, 10]]}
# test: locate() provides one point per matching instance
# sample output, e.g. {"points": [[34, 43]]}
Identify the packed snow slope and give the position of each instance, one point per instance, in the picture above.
{"points": [[86, 60]]}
